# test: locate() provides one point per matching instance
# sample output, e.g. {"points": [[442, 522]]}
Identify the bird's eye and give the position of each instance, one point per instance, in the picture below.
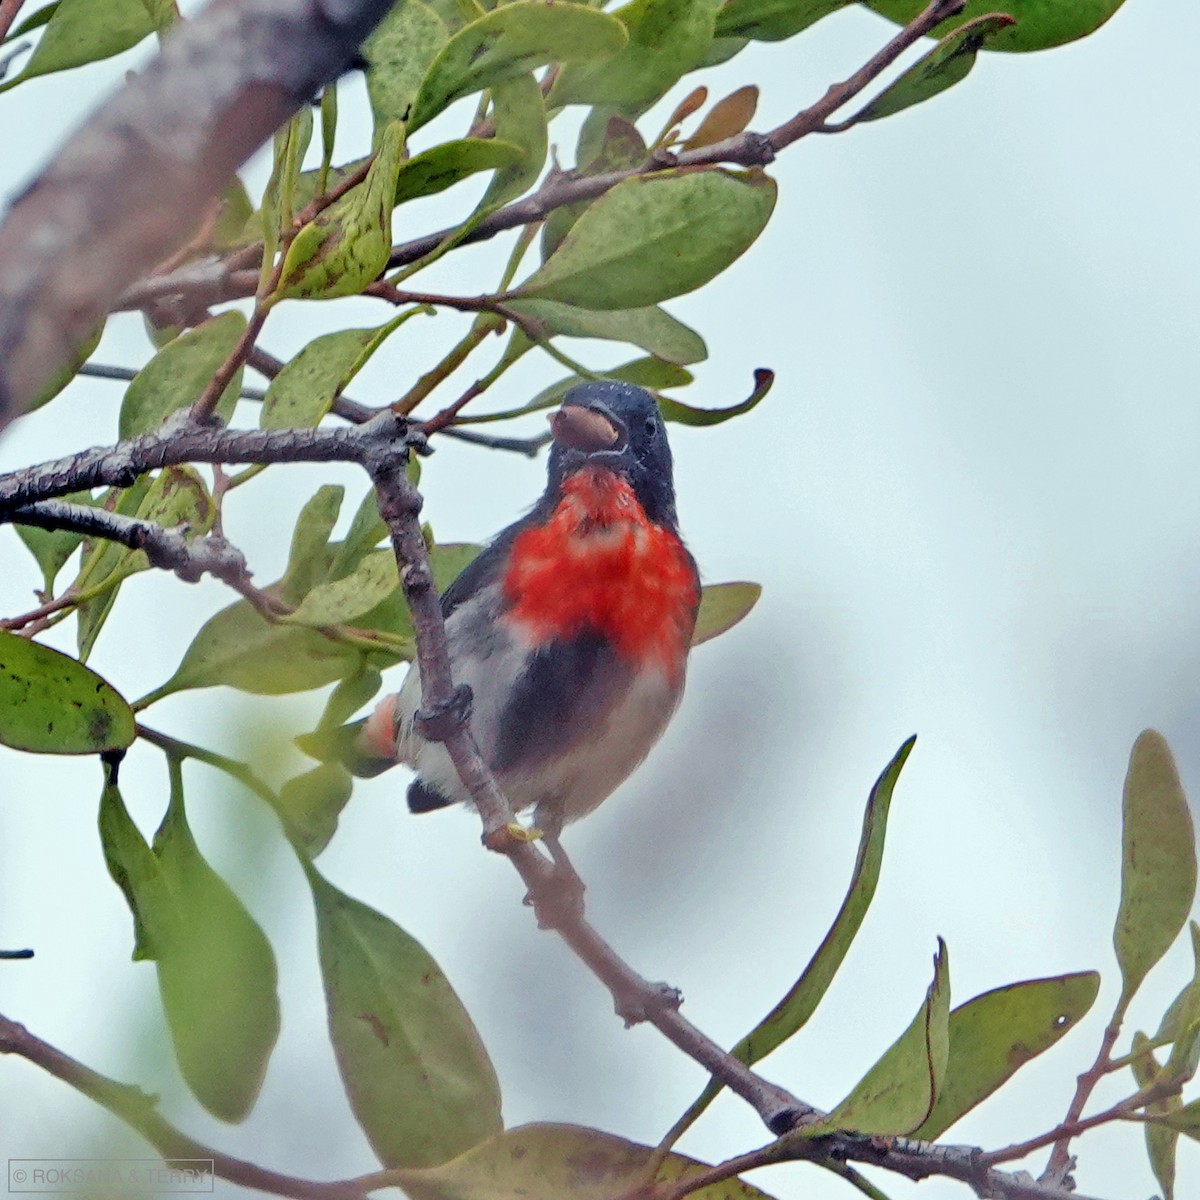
{"points": [[651, 427]]}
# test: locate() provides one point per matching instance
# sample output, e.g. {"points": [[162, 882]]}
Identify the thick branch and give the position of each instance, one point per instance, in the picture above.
{"points": [[138, 1111], [137, 178]]}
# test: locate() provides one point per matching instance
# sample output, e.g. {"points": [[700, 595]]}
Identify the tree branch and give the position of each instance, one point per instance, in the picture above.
{"points": [[136, 179]]}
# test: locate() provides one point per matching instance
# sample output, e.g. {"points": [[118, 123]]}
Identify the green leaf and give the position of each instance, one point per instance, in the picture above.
{"points": [[948, 63], [645, 372], [655, 236], [1161, 1140], [448, 163], [897, 1094], [519, 114], [448, 560], [510, 41], [68, 370], [342, 600], [994, 1035], [84, 31], [559, 1162], [346, 246], [399, 54], [1158, 868], [722, 606], [310, 805], [310, 556], [51, 704], [792, 1013], [216, 971], [772, 20], [684, 414], [52, 547], [176, 376], [1185, 1008], [33, 21], [667, 39], [1040, 24], [650, 329], [727, 118], [416, 1072], [241, 649], [366, 531]]}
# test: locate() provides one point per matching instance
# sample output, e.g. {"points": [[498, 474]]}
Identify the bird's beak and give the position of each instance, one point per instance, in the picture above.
{"points": [[589, 430]]}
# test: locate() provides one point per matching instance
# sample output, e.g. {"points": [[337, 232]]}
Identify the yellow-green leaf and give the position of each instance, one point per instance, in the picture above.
{"points": [[726, 118], [399, 54], [1158, 863], [52, 704], [685, 414], [771, 20], [722, 606]]}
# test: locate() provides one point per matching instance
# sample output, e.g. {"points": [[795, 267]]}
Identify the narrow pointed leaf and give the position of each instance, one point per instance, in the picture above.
{"points": [[1161, 1140], [948, 63], [1158, 869], [726, 118], [179, 372], [667, 39], [792, 1013], [656, 236], [510, 41], [367, 530], [444, 165], [346, 247], [415, 1070], [1185, 1008], [1040, 24], [997, 1033], [897, 1094], [216, 970], [685, 414], [722, 606], [52, 704], [519, 114], [310, 555], [557, 1162], [651, 329]]}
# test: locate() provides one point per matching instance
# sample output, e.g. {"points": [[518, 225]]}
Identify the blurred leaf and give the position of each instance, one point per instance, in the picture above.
{"points": [[449, 163], [1158, 869], [772, 20], [897, 1094], [216, 971], [655, 236], [448, 560], [176, 376], [722, 606], [1185, 1008], [241, 649], [559, 1162], [84, 31], [1186, 1120], [330, 742], [621, 146], [948, 63], [997, 1033], [651, 329], [724, 48], [792, 1013], [519, 114], [69, 370], [510, 41], [684, 414], [399, 54], [52, 704], [1040, 24], [310, 556], [1161, 1141], [667, 39], [416, 1072], [727, 118], [366, 531], [310, 805], [235, 213], [346, 246], [52, 547], [341, 601], [174, 497]]}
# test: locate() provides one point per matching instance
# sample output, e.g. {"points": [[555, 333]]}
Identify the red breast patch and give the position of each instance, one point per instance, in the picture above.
{"points": [[600, 563]]}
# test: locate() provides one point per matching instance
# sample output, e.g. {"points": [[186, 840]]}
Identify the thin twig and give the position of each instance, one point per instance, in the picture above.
{"points": [[8, 14], [137, 1109]]}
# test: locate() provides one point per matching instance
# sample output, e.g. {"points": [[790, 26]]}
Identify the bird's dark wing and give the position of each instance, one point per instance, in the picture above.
{"points": [[486, 567]]}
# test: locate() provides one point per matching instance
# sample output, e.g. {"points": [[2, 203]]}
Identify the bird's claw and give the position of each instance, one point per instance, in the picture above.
{"points": [[443, 721]]}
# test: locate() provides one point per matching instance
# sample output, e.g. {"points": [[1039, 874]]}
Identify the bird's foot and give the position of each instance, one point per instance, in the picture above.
{"points": [[639, 1004], [444, 720], [558, 899]]}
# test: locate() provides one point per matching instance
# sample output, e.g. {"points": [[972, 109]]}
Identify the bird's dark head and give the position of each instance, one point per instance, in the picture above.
{"points": [[616, 426]]}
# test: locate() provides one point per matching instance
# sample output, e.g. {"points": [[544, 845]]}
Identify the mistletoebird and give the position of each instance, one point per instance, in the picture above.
{"points": [[571, 628]]}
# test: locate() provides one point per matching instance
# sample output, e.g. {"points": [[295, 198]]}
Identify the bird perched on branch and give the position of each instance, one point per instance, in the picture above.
{"points": [[571, 628]]}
